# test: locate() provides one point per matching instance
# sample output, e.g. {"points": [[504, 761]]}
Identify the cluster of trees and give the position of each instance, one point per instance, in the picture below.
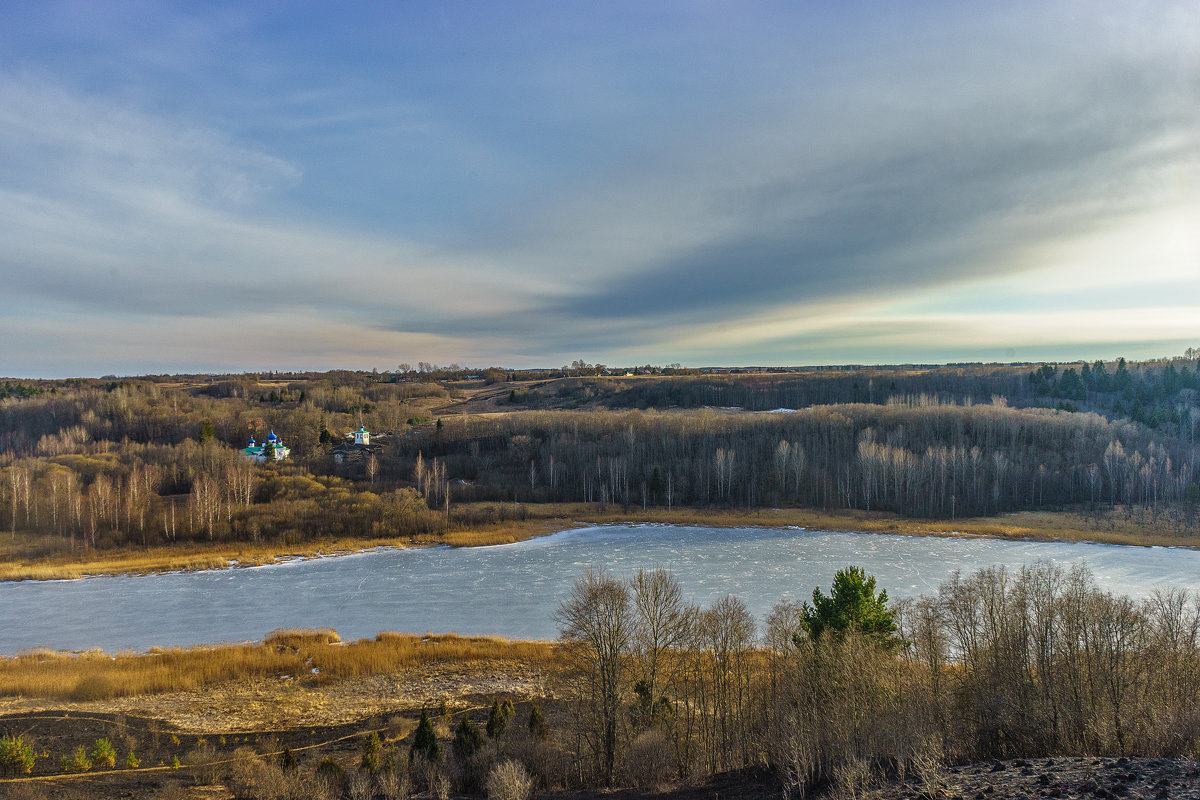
{"points": [[999, 664], [767, 391], [1160, 395], [99, 464], [925, 458], [142, 461]]}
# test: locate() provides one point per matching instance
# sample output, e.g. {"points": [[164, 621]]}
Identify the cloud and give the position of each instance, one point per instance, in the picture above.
{"points": [[719, 184]]}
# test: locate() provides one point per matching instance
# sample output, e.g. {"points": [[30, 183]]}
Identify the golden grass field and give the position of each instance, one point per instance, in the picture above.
{"points": [[544, 519], [317, 656]]}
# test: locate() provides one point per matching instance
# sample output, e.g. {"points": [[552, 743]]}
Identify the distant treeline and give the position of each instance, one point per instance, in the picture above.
{"points": [[925, 459], [768, 391], [108, 462]]}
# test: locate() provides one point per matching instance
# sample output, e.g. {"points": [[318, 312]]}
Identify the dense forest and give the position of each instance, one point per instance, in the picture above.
{"points": [[99, 463]]}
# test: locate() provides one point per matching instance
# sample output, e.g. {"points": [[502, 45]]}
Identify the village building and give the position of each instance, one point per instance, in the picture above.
{"points": [[272, 449], [356, 447]]}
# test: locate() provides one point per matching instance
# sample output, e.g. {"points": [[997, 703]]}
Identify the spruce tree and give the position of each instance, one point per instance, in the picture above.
{"points": [[467, 739], [425, 741]]}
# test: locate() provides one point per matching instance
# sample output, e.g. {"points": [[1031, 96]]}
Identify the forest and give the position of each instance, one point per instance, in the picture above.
{"points": [[135, 462]]}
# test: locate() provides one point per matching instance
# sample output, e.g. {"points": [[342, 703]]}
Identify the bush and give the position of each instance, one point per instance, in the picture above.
{"points": [[94, 687], [371, 747], [537, 723], [649, 760], [16, 757], [103, 756], [251, 778], [330, 768], [201, 759], [509, 781], [132, 761], [77, 761], [394, 784]]}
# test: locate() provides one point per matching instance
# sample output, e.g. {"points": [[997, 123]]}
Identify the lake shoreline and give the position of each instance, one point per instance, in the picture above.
{"points": [[554, 518]]}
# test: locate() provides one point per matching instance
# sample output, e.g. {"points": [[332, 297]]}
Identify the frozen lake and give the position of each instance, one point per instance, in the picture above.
{"points": [[513, 590]]}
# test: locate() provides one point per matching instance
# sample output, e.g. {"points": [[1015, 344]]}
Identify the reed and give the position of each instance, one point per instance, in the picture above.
{"points": [[95, 675]]}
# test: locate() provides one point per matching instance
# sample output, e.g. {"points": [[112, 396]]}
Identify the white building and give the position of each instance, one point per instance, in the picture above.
{"points": [[259, 453]]}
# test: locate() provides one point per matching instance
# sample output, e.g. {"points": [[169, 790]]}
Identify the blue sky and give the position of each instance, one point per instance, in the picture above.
{"points": [[251, 186]]}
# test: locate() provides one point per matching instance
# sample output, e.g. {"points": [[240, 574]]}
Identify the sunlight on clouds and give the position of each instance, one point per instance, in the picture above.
{"points": [[1161, 246], [269, 340]]}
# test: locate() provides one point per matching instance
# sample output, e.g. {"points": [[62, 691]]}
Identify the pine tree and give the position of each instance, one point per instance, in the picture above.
{"points": [[851, 605], [467, 739], [425, 741]]}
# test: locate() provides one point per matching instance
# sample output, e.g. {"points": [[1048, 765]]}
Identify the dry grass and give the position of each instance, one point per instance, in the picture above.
{"points": [[65, 565], [318, 654], [1040, 525]]}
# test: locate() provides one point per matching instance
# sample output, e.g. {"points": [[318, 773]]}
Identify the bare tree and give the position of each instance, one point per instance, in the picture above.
{"points": [[596, 627], [662, 624]]}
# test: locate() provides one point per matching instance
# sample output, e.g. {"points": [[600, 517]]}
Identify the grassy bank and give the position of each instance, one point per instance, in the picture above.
{"points": [[318, 656], [544, 519]]}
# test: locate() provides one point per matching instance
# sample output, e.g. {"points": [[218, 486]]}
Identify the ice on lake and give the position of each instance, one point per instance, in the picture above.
{"points": [[513, 590]]}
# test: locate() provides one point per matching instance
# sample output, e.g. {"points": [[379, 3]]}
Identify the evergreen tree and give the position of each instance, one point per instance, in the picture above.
{"points": [[537, 723], [851, 605], [371, 747], [425, 741], [498, 718], [467, 739]]}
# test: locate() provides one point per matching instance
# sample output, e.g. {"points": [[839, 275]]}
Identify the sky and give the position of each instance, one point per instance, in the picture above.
{"points": [[228, 187]]}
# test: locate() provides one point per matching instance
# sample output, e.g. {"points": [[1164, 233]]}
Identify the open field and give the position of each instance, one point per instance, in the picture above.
{"points": [[548, 518], [310, 659]]}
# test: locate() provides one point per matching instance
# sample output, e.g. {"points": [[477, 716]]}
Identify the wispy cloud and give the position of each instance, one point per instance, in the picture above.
{"points": [[768, 183]]}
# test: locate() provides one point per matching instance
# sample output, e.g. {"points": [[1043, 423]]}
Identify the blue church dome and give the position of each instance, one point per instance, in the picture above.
{"points": [[272, 437]]}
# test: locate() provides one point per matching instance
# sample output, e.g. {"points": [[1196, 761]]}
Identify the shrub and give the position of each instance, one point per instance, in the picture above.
{"points": [[132, 761], [77, 761], [537, 723], [244, 779], [649, 760], [287, 760], [103, 756], [393, 785], [201, 759], [509, 781], [330, 768], [94, 687], [16, 757], [370, 752]]}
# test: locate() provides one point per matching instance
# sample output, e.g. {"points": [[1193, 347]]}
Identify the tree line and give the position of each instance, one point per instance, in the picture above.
{"points": [[922, 458], [1002, 664], [115, 462]]}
